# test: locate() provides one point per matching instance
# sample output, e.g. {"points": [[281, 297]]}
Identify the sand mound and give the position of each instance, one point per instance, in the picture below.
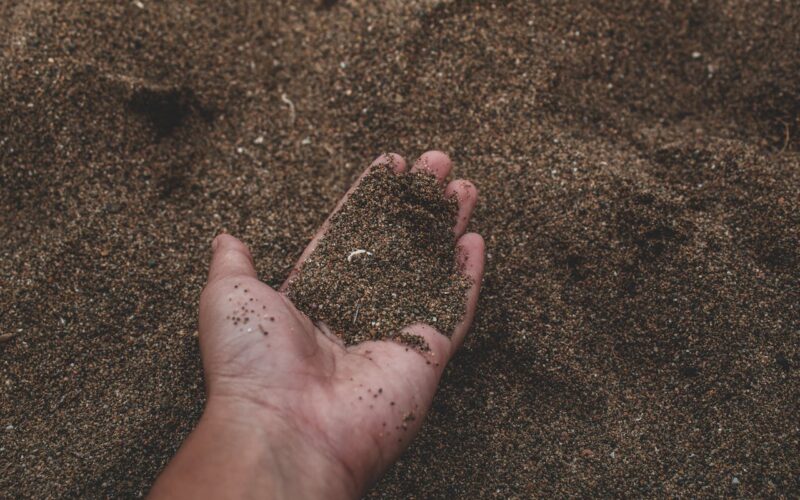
{"points": [[638, 165], [386, 261]]}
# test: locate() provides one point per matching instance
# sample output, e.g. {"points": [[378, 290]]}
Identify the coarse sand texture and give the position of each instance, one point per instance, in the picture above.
{"points": [[638, 328], [387, 261]]}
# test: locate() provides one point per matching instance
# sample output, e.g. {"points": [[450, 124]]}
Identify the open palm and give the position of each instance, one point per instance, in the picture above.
{"points": [[357, 406]]}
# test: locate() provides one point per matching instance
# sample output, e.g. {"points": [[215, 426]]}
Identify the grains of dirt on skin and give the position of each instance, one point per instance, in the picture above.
{"points": [[413, 341]]}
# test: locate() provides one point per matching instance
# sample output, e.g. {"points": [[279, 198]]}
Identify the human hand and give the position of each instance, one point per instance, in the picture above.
{"points": [[293, 412]]}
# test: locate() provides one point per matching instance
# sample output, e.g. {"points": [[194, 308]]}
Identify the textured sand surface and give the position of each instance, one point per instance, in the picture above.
{"points": [[387, 261], [639, 167]]}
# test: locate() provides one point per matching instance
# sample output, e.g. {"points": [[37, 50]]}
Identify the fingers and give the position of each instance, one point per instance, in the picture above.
{"points": [[467, 195], [397, 163], [470, 257], [231, 258], [434, 162], [440, 165]]}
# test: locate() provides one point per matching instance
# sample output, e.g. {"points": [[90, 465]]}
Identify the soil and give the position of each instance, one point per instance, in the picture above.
{"points": [[638, 332], [387, 261]]}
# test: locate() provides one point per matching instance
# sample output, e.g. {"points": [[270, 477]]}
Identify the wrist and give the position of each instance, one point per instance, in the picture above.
{"points": [[242, 450], [278, 452]]}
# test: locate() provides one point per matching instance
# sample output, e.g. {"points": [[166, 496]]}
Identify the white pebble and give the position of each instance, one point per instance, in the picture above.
{"points": [[355, 253]]}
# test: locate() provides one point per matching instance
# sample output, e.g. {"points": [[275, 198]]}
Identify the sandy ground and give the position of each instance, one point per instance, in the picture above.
{"points": [[639, 169]]}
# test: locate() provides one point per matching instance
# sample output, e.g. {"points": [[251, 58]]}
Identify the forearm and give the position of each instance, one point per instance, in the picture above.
{"points": [[236, 453]]}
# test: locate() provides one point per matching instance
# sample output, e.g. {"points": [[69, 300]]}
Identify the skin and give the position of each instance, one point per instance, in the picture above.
{"points": [[291, 412]]}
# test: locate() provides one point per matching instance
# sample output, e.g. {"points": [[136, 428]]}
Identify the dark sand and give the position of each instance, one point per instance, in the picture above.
{"points": [[386, 261], [639, 167]]}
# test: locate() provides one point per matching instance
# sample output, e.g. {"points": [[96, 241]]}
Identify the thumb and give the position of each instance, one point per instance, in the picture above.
{"points": [[231, 258]]}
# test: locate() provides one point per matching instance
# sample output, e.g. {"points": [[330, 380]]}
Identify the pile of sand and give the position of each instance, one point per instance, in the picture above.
{"points": [[387, 260], [638, 331]]}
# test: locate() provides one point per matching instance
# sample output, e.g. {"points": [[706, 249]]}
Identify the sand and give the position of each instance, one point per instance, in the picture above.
{"points": [[386, 261], [638, 331]]}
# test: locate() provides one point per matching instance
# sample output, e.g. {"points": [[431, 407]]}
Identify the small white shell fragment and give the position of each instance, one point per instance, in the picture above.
{"points": [[354, 253]]}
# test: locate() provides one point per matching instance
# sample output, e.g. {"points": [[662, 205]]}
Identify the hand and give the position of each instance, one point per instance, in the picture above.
{"points": [[291, 411]]}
